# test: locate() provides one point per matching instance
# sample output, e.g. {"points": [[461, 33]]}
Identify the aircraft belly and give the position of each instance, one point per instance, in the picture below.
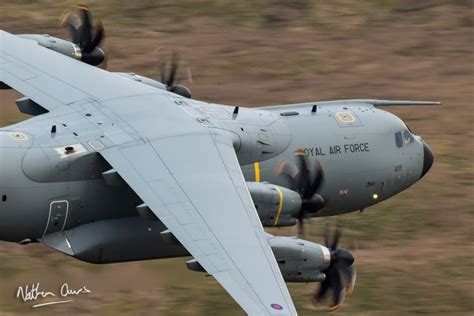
{"points": [[117, 240]]}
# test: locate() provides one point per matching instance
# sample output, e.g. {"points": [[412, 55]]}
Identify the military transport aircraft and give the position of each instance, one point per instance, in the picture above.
{"points": [[117, 167]]}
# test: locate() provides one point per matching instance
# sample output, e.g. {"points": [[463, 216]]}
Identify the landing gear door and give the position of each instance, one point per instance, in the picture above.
{"points": [[58, 212]]}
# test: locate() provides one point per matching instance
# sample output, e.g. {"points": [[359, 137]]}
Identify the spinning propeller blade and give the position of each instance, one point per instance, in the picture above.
{"points": [[86, 32], [306, 181], [340, 275], [168, 78]]}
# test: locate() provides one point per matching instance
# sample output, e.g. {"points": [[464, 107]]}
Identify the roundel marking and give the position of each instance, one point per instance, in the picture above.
{"points": [[278, 307]]}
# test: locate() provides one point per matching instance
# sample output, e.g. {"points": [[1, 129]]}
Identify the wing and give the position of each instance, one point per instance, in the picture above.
{"points": [[53, 80], [189, 178], [193, 183]]}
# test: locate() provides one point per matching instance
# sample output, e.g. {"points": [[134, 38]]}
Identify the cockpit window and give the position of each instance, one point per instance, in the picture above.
{"points": [[407, 137], [398, 139], [410, 129]]}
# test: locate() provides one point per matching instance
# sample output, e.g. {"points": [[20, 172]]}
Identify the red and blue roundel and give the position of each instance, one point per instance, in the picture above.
{"points": [[278, 307]]}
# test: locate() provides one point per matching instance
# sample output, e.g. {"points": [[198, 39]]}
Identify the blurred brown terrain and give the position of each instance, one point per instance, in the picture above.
{"points": [[416, 250]]}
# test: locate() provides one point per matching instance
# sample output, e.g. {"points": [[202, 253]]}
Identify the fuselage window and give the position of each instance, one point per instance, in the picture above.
{"points": [[398, 139]]}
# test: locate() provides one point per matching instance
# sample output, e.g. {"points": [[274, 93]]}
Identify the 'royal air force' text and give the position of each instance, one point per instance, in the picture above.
{"points": [[337, 149]]}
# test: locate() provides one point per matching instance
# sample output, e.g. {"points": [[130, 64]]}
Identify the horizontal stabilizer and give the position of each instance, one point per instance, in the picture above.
{"points": [[312, 106], [402, 103]]}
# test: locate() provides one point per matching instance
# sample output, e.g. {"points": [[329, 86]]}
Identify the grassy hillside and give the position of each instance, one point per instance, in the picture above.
{"points": [[415, 250]]}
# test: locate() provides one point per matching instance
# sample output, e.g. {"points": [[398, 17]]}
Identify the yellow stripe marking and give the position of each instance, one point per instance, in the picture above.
{"points": [[257, 171], [280, 206]]}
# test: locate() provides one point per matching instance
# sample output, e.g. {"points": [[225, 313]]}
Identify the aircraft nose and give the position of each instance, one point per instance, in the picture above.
{"points": [[427, 159]]}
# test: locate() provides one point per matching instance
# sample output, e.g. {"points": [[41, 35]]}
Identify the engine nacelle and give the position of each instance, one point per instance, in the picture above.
{"points": [[276, 206], [300, 260], [142, 79], [95, 57]]}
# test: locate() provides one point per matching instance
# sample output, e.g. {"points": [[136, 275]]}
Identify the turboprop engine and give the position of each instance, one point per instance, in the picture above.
{"points": [[304, 261], [87, 33], [279, 206]]}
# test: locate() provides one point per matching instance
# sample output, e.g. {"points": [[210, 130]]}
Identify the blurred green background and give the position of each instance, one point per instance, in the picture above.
{"points": [[415, 250]]}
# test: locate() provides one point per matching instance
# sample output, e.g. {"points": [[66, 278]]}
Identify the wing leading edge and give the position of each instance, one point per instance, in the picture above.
{"points": [[194, 184]]}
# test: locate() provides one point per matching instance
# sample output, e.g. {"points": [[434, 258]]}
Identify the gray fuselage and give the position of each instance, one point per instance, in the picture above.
{"points": [[367, 156]]}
